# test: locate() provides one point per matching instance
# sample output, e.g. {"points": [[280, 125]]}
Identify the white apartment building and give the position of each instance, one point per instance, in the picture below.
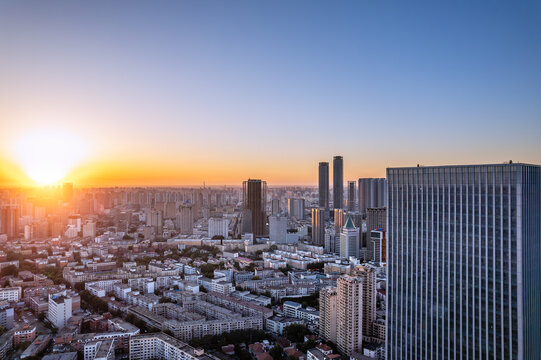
{"points": [[144, 285], [327, 311], [60, 309], [10, 293], [100, 350], [163, 346]]}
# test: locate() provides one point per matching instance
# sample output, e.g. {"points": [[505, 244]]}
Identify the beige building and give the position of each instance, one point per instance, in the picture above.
{"points": [[327, 314], [368, 275], [348, 312], [349, 309]]}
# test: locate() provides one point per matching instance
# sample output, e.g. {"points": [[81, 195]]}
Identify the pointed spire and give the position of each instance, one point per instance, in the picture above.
{"points": [[349, 223]]}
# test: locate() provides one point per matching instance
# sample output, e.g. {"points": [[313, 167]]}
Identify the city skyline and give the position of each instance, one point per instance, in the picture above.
{"points": [[187, 92]]}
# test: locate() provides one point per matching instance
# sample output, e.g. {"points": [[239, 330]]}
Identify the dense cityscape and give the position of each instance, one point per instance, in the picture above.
{"points": [[270, 180], [254, 272]]}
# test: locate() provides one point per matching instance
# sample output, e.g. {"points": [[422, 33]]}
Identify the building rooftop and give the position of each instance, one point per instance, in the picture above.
{"points": [[62, 356]]}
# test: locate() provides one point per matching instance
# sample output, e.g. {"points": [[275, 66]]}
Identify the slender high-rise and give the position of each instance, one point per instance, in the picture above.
{"points": [[324, 185], [318, 226], [254, 199], [464, 262], [338, 182], [327, 314], [349, 314], [351, 196]]}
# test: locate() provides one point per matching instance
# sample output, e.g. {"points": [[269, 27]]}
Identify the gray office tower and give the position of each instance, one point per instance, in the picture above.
{"points": [[324, 185], [338, 182], [351, 196], [464, 262], [318, 226], [372, 193], [254, 199]]}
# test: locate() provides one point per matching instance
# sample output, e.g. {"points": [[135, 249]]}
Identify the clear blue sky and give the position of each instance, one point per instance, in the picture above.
{"points": [[278, 85]]}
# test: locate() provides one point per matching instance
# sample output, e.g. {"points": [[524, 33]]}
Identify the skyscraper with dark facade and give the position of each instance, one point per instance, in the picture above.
{"points": [[372, 193], [338, 182], [351, 196], [464, 262], [324, 185], [318, 226], [254, 199]]}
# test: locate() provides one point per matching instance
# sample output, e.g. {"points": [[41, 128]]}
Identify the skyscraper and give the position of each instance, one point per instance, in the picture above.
{"points": [[351, 196], [349, 240], [327, 314], [318, 226], [296, 208], [349, 314], [324, 185], [338, 182], [372, 193], [375, 219], [339, 219], [254, 199], [464, 264], [348, 311]]}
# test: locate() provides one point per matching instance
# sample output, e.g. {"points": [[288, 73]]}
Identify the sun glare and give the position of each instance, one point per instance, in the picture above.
{"points": [[48, 156]]}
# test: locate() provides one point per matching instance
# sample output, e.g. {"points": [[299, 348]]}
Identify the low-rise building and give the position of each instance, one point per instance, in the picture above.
{"points": [[277, 324], [99, 350], [25, 333], [163, 346]]}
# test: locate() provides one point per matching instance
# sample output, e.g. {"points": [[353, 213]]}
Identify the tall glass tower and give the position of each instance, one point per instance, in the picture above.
{"points": [[338, 182], [464, 262], [324, 185], [254, 197]]}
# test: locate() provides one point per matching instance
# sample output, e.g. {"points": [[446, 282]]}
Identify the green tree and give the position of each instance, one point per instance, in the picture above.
{"points": [[208, 270], [79, 286], [277, 352], [304, 347], [295, 332]]}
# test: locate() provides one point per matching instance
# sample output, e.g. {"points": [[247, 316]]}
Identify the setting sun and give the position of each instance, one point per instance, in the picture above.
{"points": [[47, 156]]}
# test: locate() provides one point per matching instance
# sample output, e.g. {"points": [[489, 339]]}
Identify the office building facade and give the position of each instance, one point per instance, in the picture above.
{"points": [[338, 182], [351, 196], [324, 185], [318, 226], [349, 240], [464, 262], [254, 199], [372, 193]]}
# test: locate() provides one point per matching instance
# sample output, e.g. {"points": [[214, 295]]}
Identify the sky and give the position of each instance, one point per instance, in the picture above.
{"points": [[181, 92]]}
